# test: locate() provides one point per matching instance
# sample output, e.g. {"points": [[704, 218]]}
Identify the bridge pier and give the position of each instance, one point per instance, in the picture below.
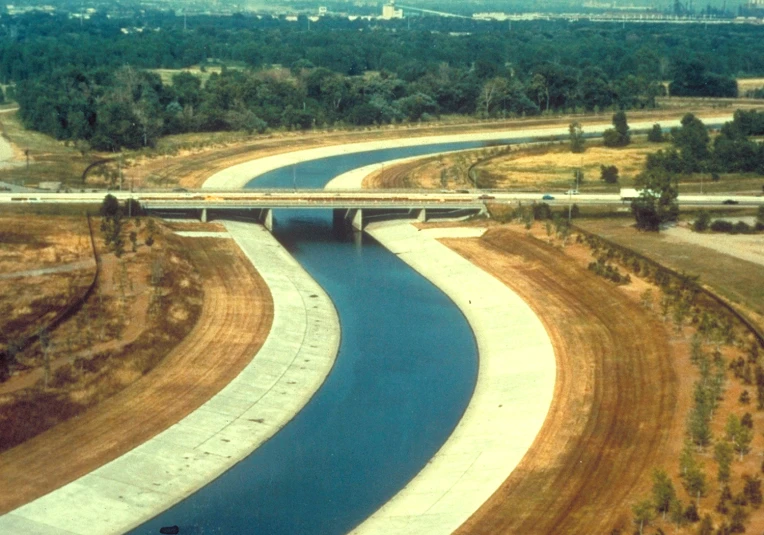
{"points": [[342, 217], [422, 215], [203, 216], [266, 218], [357, 219]]}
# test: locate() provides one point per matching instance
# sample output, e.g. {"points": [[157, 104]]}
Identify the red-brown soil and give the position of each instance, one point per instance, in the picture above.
{"points": [[617, 411]]}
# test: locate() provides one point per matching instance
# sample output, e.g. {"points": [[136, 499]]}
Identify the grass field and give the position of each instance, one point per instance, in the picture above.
{"points": [[749, 84], [49, 160], [197, 70], [737, 280], [550, 168]]}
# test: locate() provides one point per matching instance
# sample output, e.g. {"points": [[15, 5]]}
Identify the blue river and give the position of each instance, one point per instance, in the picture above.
{"points": [[405, 372]]}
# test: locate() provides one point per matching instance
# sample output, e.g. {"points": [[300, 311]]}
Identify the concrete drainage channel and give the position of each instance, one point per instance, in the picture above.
{"points": [[252, 408]]}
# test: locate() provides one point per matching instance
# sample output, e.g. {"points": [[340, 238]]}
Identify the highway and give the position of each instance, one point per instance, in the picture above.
{"points": [[238, 199]]}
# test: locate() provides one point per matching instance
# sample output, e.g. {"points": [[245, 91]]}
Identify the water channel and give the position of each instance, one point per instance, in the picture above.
{"points": [[405, 371]]}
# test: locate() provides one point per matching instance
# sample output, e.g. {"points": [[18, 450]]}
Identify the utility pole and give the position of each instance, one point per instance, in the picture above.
{"points": [[119, 170]]}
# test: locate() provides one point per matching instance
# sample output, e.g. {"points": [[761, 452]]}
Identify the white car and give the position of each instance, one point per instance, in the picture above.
{"points": [[571, 192]]}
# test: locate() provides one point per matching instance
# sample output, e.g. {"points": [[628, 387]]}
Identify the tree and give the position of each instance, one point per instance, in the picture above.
{"points": [[618, 136], [694, 482], [663, 492], [609, 174], [655, 135], [691, 140], [723, 456], [759, 373], [691, 79], [657, 201], [699, 422], [752, 490], [643, 514], [701, 222], [577, 139], [676, 512], [493, 92], [111, 224], [738, 434], [134, 240], [109, 206]]}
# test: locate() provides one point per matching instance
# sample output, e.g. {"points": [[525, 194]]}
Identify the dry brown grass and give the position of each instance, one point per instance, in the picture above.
{"points": [[615, 408], [189, 159], [749, 84], [585, 481], [124, 329], [29, 302], [235, 301], [39, 242], [552, 167]]}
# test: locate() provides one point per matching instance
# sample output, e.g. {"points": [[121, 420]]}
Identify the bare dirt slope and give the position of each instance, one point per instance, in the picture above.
{"points": [[616, 411], [236, 317]]}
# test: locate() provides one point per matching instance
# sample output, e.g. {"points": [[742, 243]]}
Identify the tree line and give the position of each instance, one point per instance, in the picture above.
{"points": [[332, 76], [691, 151]]}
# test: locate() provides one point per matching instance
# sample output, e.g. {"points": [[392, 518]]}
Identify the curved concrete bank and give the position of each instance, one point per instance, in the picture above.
{"points": [[513, 394], [238, 176], [292, 364]]}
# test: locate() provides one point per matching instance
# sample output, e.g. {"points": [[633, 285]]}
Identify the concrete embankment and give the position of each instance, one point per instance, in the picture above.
{"points": [[292, 364], [513, 393], [238, 176]]}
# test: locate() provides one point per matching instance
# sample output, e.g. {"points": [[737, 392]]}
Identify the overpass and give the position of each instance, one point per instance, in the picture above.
{"points": [[349, 205]]}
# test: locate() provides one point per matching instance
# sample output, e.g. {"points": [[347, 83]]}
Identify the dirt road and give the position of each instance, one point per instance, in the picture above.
{"points": [[616, 409], [236, 317]]}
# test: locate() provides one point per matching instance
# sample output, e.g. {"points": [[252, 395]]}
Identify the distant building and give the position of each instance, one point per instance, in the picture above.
{"points": [[389, 12]]}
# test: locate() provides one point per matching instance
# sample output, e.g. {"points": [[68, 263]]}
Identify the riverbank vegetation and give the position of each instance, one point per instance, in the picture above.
{"points": [[706, 477], [244, 73]]}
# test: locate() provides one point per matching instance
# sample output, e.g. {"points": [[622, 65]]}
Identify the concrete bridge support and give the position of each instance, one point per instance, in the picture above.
{"points": [[422, 215], [203, 216], [266, 219], [357, 219], [342, 217]]}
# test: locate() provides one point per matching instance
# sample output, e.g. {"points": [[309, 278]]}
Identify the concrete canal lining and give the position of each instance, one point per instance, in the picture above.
{"points": [[292, 364], [513, 394], [240, 175]]}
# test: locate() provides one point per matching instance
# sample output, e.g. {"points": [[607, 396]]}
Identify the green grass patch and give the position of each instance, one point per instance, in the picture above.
{"points": [[737, 280], [50, 160]]}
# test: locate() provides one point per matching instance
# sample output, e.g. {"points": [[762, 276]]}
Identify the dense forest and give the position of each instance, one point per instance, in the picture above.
{"points": [[92, 81]]}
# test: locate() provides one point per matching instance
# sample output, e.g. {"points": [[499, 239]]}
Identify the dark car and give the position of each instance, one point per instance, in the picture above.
{"points": [[730, 201], [486, 197], [547, 197]]}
